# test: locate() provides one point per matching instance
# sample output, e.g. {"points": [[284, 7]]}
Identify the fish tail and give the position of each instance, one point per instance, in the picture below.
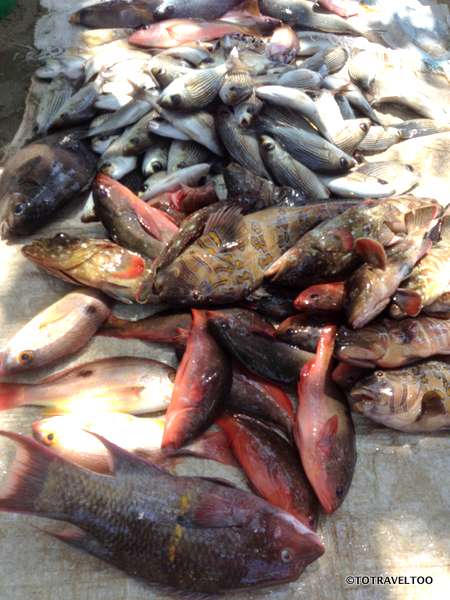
{"points": [[28, 477], [11, 395]]}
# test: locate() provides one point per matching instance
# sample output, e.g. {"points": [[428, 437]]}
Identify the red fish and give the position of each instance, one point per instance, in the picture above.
{"points": [[188, 199], [174, 32], [203, 379], [324, 430], [323, 297], [272, 465], [162, 329]]}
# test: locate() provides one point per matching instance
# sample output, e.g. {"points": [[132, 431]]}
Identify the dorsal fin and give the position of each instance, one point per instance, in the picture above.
{"points": [[225, 223]]}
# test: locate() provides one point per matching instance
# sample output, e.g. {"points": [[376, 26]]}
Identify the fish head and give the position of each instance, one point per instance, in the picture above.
{"points": [[366, 296], [48, 431], [321, 297], [239, 320], [59, 252], [177, 284], [363, 347], [25, 208]]}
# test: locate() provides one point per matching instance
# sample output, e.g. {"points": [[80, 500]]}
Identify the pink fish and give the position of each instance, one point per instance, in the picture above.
{"points": [[343, 8]]}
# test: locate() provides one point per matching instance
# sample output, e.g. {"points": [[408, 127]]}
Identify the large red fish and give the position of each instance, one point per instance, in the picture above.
{"points": [[272, 466], [324, 430], [203, 379]]}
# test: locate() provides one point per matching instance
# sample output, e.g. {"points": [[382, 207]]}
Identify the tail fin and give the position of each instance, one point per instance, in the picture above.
{"points": [[27, 478], [12, 395]]}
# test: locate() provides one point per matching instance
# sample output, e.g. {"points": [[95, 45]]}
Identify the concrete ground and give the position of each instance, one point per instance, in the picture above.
{"points": [[16, 65]]}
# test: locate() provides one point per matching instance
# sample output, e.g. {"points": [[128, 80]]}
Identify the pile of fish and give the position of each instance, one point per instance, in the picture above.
{"points": [[229, 152]]}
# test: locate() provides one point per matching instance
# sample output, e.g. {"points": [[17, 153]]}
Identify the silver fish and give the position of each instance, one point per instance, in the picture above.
{"points": [[186, 154], [237, 85], [288, 171], [358, 185], [419, 127], [155, 159], [164, 129], [195, 53], [57, 94], [188, 176], [71, 67], [101, 143], [117, 166], [352, 133], [378, 139], [135, 139], [400, 176], [247, 110], [166, 69], [112, 102], [301, 78], [80, 107], [194, 91], [347, 111]]}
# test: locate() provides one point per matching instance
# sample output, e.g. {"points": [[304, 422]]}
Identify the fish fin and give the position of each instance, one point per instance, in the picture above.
{"points": [[124, 462], [27, 476], [216, 511], [371, 252], [82, 540], [156, 222], [250, 6], [11, 395], [328, 435], [219, 481], [419, 219], [225, 223], [408, 300]]}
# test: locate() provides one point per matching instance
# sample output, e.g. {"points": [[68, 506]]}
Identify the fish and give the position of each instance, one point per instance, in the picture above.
{"points": [[165, 69], [308, 148], [324, 431], [347, 111], [135, 139], [353, 95], [102, 142], [120, 384], [379, 138], [237, 85], [173, 181], [190, 199], [303, 13], [58, 331], [429, 279], [186, 154], [129, 221], [79, 107], [350, 133], [40, 178], [114, 14], [259, 398], [111, 102], [229, 260], [290, 172], [196, 53], [70, 66], [419, 127], [371, 287], [301, 78], [170, 328], [272, 467], [296, 100], [440, 307], [343, 8], [242, 144], [303, 331], [412, 399], [174, 32], [259, 352], [346, 376], [166, 130], [327, 61], [402, 177], [248, 15], [246, 111], [389, 344], [194, 91], [321, 298], [156, 158], [358, 185], [68, 436], [96, 263], [267, 545], [283, 45], [272, 302], [117, 167], [57, 94], [201, 9], [328, 251], [202, 382]]}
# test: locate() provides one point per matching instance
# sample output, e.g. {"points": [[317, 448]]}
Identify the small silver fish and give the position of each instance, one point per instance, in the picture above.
{"points": [[117, 166], [155, 159], [186, 154], [188, 176]]}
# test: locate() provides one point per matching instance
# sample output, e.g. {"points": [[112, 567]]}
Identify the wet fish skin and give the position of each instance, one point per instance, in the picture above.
{"points": [[241, 144], [163, 329], [102, 142], [201, 9], [300, 78], [258, 352], [358, 185], [119, 384], [271, 302], [58, 331], [156, 158], [172, 506], [284, 45], [259, 398], [202, 382], [96, 263], [419, 127], [235, 252], [370, 287], [42, 177], [440, 307], [321, 298], [303, 331], [114, 14], [429, 279], [378, 139], [402, 177], [389, 344], [349, 137], [412, 399], [190, 199], [117, 167], [80, 107], [324, 430], [173, 181], [237, 85], [272, 467], [289, 172], [135, 139], [119, 209], [194, 91], [186, 154]]}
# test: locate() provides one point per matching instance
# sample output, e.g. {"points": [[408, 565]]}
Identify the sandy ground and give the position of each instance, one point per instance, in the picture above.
{"points": [[16, 65]]}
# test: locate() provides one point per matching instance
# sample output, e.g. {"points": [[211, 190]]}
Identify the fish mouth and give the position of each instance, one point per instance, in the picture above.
{"points": [[361, 399]]}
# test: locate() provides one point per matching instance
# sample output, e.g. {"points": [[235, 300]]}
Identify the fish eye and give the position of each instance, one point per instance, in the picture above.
{"points": [[175, 99], [50, 437], [339, 491], [197, 296], [145, 187], [25, 358], [314, 296], [382, 181], [410, 168], [157, 166], [19, 209], [379, 374], [343, 162], [104, 138], [286, 556], [290, 331], [364, 127], [134, 140]]}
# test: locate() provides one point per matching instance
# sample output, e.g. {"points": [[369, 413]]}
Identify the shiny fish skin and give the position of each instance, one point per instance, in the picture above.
{"points": [[135, 139], [237, 85], [413, 399], [58, 331], [378, 139], [290, 172], [303, 331], [240, 543], [120, 384], [79, 107], [202, 9], [419, 127], [349, 137], [400, 176], [246, 111], [117, 166], [40, 178], [389, 344], [114, 14], [57, 94], [301, 78], [241, 144], [96, 263], [186, 154], [173, 181], [358, 185], [194, 91]]}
